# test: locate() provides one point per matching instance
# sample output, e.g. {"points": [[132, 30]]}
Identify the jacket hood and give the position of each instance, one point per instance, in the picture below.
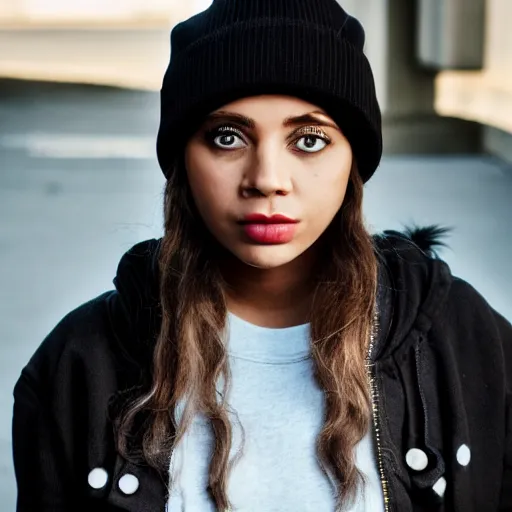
{"points": [[413, 285], [136, 305]]}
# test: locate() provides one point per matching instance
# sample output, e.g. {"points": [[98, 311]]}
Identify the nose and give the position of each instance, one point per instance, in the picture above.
{"points": [[267, 173]]}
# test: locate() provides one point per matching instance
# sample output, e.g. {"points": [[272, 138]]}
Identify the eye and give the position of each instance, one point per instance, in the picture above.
{"points": [[311, 143], [227, 138]]}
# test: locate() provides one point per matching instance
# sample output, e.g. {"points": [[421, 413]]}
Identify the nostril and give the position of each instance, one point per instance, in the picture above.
{"points": [[251, 192]]}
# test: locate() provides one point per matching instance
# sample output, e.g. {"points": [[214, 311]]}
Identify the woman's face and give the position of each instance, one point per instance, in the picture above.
{"points": [[268, 174]]}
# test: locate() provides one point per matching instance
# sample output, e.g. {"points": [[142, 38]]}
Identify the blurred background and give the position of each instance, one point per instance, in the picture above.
{"points": [[79, 181]]}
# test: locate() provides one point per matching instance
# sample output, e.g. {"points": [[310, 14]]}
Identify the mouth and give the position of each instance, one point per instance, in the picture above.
{"points": [[275, 230], [259, 218]]}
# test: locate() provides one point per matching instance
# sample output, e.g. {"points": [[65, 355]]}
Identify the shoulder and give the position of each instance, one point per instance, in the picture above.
{"points": [[478, 326], [426, 295], [82, 335], [430, 303]]}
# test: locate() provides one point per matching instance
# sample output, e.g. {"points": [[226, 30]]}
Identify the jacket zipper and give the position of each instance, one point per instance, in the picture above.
{"points": [[374, 394]]}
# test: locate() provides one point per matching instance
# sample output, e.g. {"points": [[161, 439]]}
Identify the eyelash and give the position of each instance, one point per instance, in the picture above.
{"points": [[299, 134], [223, 130], [312, 130]]}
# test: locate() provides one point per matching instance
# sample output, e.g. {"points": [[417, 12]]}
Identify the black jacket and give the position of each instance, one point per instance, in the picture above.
{"points": [[442, 380]]}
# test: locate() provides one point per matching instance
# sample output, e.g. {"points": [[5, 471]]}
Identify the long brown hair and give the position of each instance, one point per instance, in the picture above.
{"points": [[190, 356]]}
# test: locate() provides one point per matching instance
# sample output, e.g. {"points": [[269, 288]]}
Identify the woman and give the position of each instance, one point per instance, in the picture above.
{"points": [[267, 353]]}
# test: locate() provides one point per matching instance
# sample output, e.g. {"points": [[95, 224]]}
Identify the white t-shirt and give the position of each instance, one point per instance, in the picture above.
{"points": [[280, 407]]}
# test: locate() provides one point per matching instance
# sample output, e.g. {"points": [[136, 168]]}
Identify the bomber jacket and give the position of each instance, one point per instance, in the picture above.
{"points": [[440, 374]]}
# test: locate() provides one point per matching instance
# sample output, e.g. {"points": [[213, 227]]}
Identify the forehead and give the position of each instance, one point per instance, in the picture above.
{"points": [[268, 108]]}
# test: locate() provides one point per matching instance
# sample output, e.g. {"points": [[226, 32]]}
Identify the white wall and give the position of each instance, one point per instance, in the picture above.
{"points": [[484, 96], [98, 10], [498, 55]]}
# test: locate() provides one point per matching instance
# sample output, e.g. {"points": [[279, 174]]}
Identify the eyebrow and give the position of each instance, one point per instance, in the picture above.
{"points": [[310, 118], [232, 117]]}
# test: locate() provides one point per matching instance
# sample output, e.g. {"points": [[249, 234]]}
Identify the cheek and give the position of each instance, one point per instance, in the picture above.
{"points": [[209, 182], [325, 189]]}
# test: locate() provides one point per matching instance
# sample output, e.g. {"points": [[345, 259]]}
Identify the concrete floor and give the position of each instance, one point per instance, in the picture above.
{"points": [[79, 185]]}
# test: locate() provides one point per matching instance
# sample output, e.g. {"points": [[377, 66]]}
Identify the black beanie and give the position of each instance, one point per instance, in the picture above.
{"points": [[311, 49]]}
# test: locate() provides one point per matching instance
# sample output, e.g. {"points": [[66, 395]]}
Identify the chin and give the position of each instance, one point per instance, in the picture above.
{"points": [[267, 257]]}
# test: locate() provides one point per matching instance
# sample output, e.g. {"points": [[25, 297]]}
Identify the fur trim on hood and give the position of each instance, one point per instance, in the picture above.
{"points": [[427, 238]]}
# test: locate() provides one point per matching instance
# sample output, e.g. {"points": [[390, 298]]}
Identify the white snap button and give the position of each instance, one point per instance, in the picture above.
{"points": [[440, 487], [416, 459], [98, 478], [128, 484], [463, 455]]}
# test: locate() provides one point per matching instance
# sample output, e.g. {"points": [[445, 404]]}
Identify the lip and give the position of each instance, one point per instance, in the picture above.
{"points": [[274, 230], [259, 218]]}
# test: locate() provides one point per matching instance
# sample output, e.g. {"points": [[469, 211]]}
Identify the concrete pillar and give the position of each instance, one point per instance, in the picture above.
{"points": [[498, 77], [406, 90], [485, 96]]}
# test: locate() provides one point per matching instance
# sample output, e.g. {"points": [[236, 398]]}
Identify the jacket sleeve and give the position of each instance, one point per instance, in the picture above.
{"points": [[505, 329], [60, 417], [38, 462]]}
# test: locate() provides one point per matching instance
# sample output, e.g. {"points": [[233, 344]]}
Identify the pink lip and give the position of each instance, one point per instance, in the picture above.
{"points": [[259, 218], [277, 229]]}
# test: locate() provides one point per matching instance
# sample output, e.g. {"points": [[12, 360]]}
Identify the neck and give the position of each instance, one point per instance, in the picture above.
{"points": [[277, 297]]}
